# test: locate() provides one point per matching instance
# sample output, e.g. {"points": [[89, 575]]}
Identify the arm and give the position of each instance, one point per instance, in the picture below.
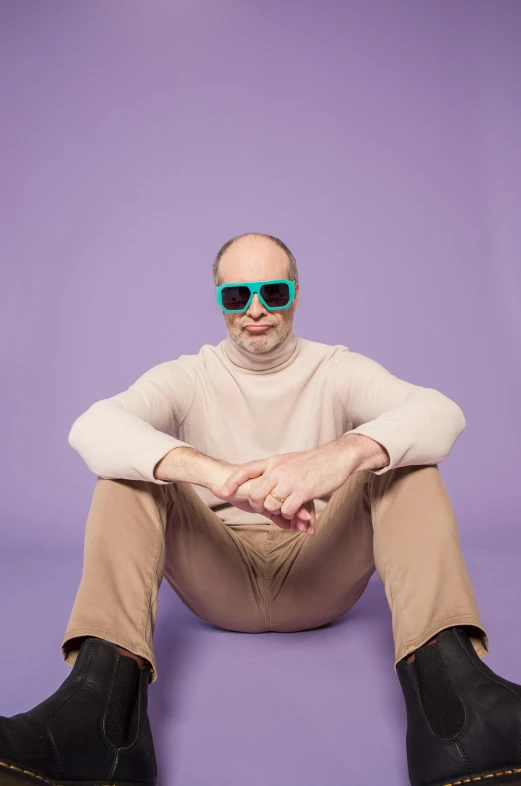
{"points": [[124, 436], [370, 454], [415, 425], [188, 464]]}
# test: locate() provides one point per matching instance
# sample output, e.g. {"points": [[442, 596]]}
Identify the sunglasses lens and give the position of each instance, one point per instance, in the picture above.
{"points": [[235, 298], [275, 295]]}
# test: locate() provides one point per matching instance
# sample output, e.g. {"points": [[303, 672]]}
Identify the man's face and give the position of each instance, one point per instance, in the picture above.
{"points": [[256, 259]]}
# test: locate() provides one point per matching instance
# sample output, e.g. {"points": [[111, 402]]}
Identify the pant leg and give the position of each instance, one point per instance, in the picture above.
{"points": [[418, 557], [400, 524], [136, 534]]}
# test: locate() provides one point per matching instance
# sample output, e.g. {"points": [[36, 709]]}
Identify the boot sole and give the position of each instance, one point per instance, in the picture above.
{"points": [[506, 775], [11, 775]]}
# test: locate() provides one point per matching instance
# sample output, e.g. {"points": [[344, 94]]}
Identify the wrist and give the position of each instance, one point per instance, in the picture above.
{"points": [[217, 476], [217, 472], [188, 465], [371, 455]]}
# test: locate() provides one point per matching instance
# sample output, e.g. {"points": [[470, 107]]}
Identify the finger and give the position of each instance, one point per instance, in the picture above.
{"points": [[261, 496], [302, 520], [297, 523], [310, 524], [292, 504], [268, 501], [263, 489], [264, 502], [251, 470]]}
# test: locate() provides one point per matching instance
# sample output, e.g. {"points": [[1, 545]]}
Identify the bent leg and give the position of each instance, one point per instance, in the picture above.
{"points": [[400, 523], [135, 532], [419, 560]]}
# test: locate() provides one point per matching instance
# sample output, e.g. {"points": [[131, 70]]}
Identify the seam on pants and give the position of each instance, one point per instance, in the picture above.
{"points": [[379, 502], [396, 609], [147, 600], [147, 610], [306, 540], [395, 605], [266, 579]]}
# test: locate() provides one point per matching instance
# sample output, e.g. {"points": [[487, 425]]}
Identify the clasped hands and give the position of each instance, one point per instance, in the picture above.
{"points": [[297, 478]]}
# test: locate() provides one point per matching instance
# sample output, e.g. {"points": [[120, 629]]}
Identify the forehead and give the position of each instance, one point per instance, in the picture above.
{"points": [[253, 259]]}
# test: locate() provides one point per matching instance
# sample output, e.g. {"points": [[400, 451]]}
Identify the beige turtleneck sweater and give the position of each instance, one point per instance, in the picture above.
{"points": [[235, 405]]}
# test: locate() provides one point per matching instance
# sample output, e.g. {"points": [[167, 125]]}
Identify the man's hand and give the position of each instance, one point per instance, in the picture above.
{"points": [[300, 478], [240, 498]]}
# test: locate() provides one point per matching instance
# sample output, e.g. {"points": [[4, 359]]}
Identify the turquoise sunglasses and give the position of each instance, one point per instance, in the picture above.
{"points": [[275, 295]]}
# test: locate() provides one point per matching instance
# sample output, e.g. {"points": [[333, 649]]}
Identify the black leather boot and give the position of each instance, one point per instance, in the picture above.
{"points": [[463, 721], [93, 730]]}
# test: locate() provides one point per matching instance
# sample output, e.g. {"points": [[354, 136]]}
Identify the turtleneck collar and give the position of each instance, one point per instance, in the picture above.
{"points": [[263, 362]]}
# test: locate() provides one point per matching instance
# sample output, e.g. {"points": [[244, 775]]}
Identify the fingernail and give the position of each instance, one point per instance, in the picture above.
{"points": [[225, 490]]}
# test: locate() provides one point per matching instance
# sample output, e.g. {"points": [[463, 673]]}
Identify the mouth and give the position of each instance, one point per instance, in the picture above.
{"points": [[256, 328]]}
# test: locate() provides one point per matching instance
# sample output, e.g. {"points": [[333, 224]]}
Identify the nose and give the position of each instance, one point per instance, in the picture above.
{"points": [[256, 309]]}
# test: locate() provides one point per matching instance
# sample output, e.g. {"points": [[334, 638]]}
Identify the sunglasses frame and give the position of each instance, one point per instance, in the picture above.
{"points": [[255, 287]]}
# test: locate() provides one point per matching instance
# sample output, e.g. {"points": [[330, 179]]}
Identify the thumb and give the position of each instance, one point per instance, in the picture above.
{"points": [[241, 475]]}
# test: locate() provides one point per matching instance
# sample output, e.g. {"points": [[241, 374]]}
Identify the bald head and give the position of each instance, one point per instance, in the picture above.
{"points": [[245, 252]]}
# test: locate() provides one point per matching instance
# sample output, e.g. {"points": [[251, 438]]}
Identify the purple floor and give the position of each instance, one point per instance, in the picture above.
{"points": [[271, 709]]}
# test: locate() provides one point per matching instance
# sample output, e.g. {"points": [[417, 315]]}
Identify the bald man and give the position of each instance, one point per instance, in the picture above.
{"points": [[267, 478]]}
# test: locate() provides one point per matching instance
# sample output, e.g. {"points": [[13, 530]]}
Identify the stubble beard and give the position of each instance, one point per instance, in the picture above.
{"points": [[262, 343]]}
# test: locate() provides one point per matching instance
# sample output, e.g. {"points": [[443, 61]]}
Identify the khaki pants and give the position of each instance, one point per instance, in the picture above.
{"points": [[258, 577]]}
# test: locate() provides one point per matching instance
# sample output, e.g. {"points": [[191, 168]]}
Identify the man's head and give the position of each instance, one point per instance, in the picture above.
{"points": [[257, 257]]}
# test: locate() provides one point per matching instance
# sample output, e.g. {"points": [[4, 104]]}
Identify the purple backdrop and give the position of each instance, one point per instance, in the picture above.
{"points": [[380, 141]]}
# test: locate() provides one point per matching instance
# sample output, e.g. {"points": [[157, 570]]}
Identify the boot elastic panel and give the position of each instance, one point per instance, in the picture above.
{"points": [[121, 721], [441, 702]]}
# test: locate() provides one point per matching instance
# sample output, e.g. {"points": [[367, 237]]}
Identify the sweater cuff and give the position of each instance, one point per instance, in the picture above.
{"points": [[142, 465], [377, 431], [146, 461]]}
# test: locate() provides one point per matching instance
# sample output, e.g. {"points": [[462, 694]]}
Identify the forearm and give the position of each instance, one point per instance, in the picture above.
{"points": [[371, 454], [189, 465]]}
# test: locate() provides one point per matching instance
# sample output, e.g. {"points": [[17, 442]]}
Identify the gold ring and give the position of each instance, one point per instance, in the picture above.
{"points": [[277, 498]]}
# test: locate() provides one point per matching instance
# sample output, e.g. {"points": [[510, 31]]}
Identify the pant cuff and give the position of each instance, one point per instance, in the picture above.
{"points": [[70, 655], [480, 642]]}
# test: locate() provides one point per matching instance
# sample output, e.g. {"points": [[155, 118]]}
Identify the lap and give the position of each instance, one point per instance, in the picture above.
{"points": [[256, 577]]}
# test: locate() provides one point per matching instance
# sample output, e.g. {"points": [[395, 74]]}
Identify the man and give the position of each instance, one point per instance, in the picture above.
{"points": [[267, 478]]}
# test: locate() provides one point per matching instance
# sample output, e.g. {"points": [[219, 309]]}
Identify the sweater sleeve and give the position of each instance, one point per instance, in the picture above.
{"points": [[416, 425], [124, 436]]}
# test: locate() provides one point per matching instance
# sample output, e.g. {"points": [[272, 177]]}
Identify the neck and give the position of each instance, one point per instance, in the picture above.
{"points": [[273, 360]]}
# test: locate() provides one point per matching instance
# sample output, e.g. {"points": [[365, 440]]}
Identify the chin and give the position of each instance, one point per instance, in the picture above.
{"points": [[260, 344]]}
